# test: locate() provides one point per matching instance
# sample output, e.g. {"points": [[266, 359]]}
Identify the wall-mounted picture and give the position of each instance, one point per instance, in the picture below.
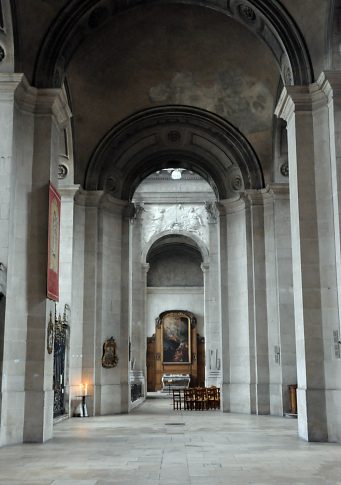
{"points": [[176, 334]]}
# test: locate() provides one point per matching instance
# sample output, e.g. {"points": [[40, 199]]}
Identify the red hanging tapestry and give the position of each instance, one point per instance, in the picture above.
{"points": [[53, 245]]}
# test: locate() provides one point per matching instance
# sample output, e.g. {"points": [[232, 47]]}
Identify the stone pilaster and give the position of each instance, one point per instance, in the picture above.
{"points": [[212, 289], [305, 109], [27, 396], [257, 291], [12, 378], [236, 334], [282, 335], [137, 281], [51, 112], [65, 273]]}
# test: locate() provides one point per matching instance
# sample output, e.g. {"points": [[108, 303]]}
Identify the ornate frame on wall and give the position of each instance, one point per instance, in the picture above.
{"points": [[177, 315], [176, 338]]}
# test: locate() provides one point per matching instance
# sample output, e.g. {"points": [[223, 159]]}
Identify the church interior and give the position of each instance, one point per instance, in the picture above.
{"points": [[170, 182]]}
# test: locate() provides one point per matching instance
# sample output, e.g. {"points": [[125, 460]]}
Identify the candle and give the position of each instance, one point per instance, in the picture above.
{"points": [[80, 388], [86, 389]]}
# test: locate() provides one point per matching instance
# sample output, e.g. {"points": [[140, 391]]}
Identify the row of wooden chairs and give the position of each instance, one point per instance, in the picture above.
{"points": [[196, 398]]}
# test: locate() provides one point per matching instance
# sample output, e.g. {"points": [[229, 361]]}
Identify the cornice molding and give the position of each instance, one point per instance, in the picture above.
{"points": [[258, 197], [88, 198], [42, 101], [280, 191], [8, 85], [68, 192], [300, 99], [330, 84]]}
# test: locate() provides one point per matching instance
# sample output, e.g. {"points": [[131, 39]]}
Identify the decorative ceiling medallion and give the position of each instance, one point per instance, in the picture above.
{"points": [[288, 77], [111, 184], [174, 136], [247, 13], [2, 53], [237, 183], [62, 171], [285, 169]]}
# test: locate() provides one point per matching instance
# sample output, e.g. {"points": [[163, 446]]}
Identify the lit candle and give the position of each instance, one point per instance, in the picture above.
{"points": [[86, 389], [80, 388]]}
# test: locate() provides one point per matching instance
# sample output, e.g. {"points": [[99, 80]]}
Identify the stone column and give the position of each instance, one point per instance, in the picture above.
{"points": [[108, 306], [27, 396], [51, 112], [305, 110], [11, 410], [282, 346], [137, 298], [84, 332], [99, 282], [258, 316], [236, 333], [212, 281], [67, 194], [330, 84]]}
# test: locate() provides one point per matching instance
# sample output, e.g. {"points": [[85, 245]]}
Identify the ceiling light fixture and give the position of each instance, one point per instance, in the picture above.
{"points": [[176, 174]]}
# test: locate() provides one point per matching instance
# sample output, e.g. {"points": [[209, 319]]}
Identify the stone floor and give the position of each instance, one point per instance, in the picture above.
{"points": [[156, 445]]}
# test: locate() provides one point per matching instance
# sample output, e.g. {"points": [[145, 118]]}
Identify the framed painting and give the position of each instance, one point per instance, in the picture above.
{"points": [[53, 245], [176, 339]]}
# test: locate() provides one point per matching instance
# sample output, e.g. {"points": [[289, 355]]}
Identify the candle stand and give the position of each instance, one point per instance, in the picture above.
{"points": [[83, 410]]}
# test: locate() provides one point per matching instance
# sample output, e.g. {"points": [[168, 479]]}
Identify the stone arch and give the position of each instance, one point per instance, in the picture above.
{"points": [[177, 136], [199, 243], [268, 20]]}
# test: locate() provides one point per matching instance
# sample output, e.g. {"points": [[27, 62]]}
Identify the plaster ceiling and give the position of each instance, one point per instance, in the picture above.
{"points": [[170, 54], [180, 55]]}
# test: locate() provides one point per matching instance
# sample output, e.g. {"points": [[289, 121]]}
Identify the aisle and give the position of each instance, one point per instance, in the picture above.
{"points": [[157, 446]]}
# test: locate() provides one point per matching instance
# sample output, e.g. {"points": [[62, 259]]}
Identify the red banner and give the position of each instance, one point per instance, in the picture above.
{"points": [[53, 245]]}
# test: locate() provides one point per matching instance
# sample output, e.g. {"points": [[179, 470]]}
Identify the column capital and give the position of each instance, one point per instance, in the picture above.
{"points": [[280, 191], [9, 84], [258, 196], [299, 99], [68, 192], [39, 101], [330, 83], [235, 204], [88, 198], [112, 205]]}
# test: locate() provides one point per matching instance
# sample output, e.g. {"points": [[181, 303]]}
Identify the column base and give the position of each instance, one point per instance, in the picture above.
{"points": [[38, 426], [312, 419]]}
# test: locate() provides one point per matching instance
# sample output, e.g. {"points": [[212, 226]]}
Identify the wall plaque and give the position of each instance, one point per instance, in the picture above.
{"points": [[109, 357]]}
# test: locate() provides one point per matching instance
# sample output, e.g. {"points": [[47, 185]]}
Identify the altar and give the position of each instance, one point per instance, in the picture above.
{"points": [[175, 353], [175, 381]]}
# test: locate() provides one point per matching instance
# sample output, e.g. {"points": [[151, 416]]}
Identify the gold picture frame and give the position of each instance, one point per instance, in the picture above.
{"points": [[176, 338]]}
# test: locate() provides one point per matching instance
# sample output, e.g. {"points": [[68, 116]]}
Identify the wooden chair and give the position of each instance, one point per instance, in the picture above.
{"points": [[201, 399], [213, 395], [189, 399], [177, 399]]}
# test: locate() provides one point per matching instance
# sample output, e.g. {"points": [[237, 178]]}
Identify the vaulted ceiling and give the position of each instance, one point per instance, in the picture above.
{"points": [[170, 53]]}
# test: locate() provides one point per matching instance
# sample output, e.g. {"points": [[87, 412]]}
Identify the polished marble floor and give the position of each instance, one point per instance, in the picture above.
{"points": [[158, 446]]}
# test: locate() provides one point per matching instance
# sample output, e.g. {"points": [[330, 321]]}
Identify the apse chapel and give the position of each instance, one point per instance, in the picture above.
{"points": [[169, 157]]}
